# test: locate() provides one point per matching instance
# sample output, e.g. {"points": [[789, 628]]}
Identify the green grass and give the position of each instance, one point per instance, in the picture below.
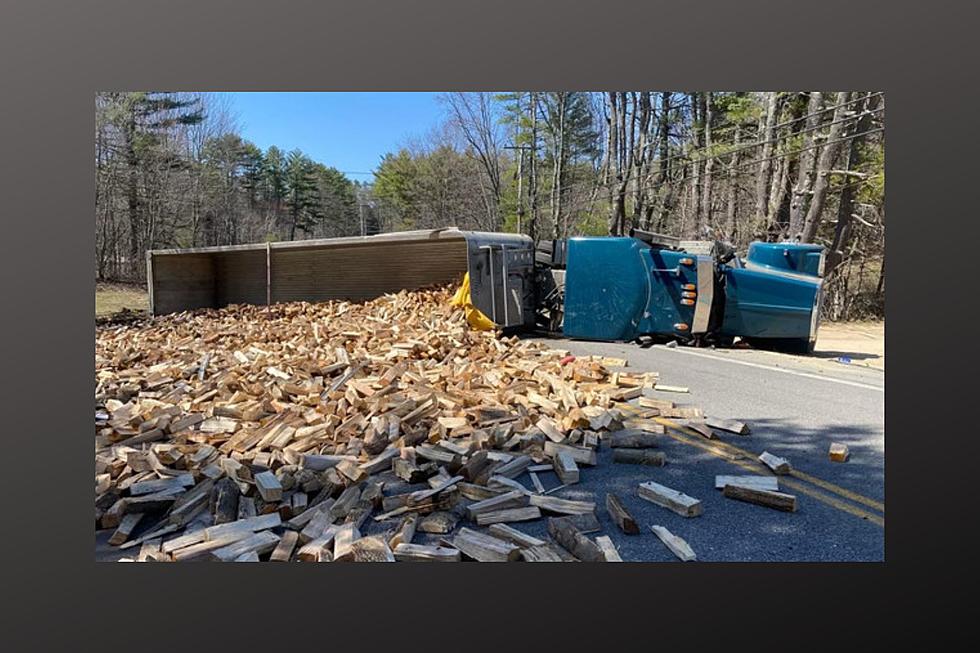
{"points": [[112, 298]]}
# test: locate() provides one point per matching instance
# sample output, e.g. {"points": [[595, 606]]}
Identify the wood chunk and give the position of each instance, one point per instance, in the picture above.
{"points": [[351, 471], [585, 522], [677, 545], [251, 525], [581, 455], [421, 496], [319, 463], [561, 506], [670, 388], [605, 544], [548, 427], [620, 515], [125, 529], [546, 552], [768, 498], [476, 492], [512, 499], [343, 543], [572, 539], [284, 550], [406, 552], [508, 515], [775, 463], [380, 462], [439, 522], [700, 428], [639, 457], [248, 556], [202, 550], [536, 482], [521, 539], [839, 452], [405, 531], [657, 404], [682, 412], [565, 468], [268, 486], [371, 549], [754, 482], [514, 468], [175, 484], [319, 549], [730, 425], [671, 499], [485, 548], [633, 439], [474, 465]]}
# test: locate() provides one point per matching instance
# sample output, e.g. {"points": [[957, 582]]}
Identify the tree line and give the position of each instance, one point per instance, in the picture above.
{"points": [[738, 166]]}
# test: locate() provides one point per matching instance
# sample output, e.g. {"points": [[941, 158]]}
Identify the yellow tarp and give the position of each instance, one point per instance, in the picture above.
{"points": [[461, 299]]}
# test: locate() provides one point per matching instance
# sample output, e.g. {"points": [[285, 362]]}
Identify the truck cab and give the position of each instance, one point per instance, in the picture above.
{"points": [[648, 286]]}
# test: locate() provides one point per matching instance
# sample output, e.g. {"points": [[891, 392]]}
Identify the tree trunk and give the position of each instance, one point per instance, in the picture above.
{"points": [[533, 172], [828, 156], [731, 207], [804, 176], [845, 207], [765, 165], [695, 153], [709, 164]]}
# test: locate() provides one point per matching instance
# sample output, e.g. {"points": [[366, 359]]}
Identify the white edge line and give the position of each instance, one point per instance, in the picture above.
{"points": [[772, 368]]}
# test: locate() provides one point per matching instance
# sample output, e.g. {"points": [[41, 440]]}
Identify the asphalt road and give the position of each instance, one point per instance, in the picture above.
{"points": [[795, 406]]}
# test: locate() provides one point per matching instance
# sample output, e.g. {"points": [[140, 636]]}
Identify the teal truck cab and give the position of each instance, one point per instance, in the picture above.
{"points": [[648, 286]]}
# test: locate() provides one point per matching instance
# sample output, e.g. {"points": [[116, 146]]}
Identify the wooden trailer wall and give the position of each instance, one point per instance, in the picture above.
{"points": [[315, 270]]}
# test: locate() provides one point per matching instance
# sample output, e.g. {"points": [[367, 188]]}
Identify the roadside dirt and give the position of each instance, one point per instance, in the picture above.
{"points": [[861, 342]]}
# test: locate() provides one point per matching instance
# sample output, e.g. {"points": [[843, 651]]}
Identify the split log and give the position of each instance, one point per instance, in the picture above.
{"points": [[565, 468], [677, 545], [671, 499], [839, 452], [126, 528], [512, 499], [775, 463], [620, 515], [509, 515], [485, 548], [561, 506], [406, 552], [754, 482], [268, 487], [730, 425], [581, 455], [768, 498], [284, 550], [520, 538], [572, 539], [605, 544]]}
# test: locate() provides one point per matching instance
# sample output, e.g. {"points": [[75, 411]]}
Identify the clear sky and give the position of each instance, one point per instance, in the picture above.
{"points": [[348, 131]]}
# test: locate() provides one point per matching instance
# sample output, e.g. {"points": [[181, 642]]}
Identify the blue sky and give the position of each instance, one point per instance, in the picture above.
{"points": [[349, 131]]}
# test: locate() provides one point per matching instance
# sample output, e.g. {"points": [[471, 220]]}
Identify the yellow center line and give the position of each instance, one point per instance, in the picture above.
{"points": [[732, 454], [803, 476]]}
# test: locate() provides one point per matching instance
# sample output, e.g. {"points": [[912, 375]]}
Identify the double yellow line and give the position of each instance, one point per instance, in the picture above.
{"points": [[749, 461]]}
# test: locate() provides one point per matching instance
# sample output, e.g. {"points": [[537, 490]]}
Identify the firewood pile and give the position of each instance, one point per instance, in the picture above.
{"points": [[338, 431]]}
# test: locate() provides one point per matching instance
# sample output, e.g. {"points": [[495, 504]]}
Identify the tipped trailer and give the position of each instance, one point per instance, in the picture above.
{"points": [[641, 287]]}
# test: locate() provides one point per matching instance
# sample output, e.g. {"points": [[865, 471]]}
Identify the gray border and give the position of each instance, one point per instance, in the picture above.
{"points": [[57, 54]]}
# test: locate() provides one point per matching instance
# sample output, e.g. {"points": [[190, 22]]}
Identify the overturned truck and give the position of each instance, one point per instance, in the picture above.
{"points": [[642, 287]]}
